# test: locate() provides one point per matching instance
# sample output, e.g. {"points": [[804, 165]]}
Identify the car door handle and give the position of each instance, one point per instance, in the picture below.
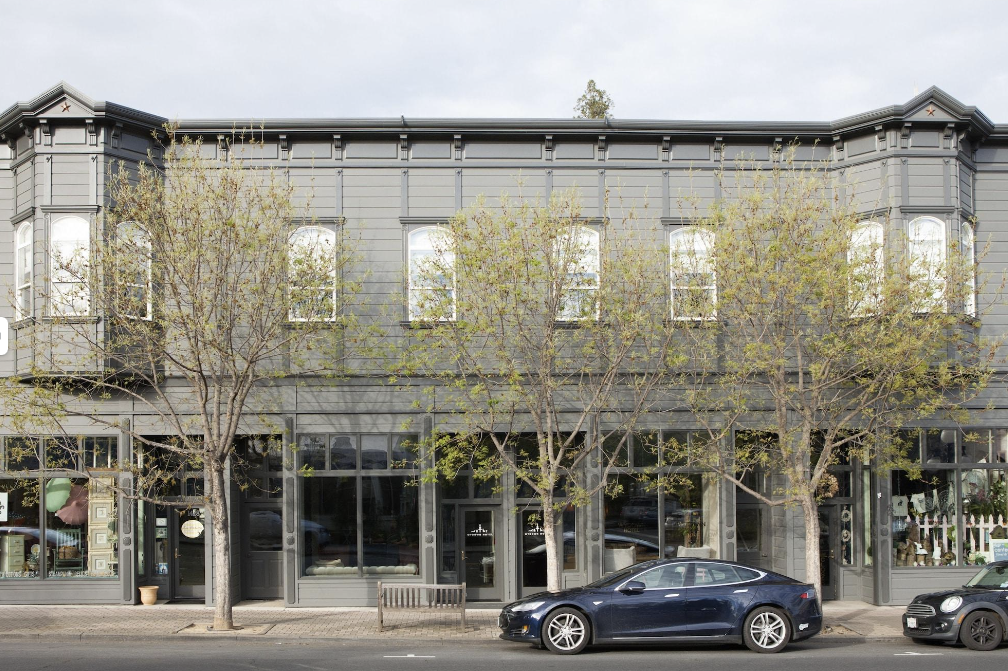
{"points": [[740, 591], [669, 596]]}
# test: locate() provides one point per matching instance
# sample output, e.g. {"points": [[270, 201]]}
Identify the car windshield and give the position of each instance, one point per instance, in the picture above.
{"points": [[990, 577], [613, 578]]}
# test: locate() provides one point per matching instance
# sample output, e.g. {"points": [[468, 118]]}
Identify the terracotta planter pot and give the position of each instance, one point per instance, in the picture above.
{"points": [[148, 595]]}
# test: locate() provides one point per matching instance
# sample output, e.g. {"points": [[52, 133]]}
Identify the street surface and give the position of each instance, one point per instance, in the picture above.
{"points": [[818, 655]]}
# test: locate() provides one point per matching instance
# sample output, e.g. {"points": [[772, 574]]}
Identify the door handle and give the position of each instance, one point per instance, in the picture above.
{"points": [[463, 555], [176, 553], [669, 596]]}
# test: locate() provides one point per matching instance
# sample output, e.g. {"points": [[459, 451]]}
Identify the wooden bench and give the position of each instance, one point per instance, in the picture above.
{"points": [[410, 596]]}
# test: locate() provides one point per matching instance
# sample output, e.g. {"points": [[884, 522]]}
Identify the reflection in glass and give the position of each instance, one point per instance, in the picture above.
{"points": [[631, 524], [342, 453], [374, 452], [20, 544], [81, 528], [390, 525], [533, 549], [984, 511], [478, 548], [191, 547], [311, 451], [924, 519], [329, 526]]}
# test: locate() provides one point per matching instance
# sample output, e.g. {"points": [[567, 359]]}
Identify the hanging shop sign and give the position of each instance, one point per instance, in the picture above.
{"points": [[192, 528]]}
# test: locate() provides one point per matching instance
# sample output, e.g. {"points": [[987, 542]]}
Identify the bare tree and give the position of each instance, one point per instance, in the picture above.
{"points": [[538, 329], [817, 332], [211, 287]]}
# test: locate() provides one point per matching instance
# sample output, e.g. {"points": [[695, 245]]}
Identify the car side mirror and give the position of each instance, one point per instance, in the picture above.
{"points": [[632, 587]]}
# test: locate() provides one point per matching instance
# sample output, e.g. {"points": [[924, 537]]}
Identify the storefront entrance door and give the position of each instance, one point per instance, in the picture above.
{"points": [[262, 550], [190, 553], [828, 551], [478, 553], [532, 552]]}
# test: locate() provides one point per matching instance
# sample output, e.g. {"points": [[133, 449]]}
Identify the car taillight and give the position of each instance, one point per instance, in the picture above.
{"points": [[808, 595]]}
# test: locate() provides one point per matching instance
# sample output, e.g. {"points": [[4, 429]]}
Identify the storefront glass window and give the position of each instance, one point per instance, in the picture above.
{"points": [[866, 506], [359, 507], [390, 525], [329, 525], [985, 510], [631, 523], [81, 528], [20, 532], [924, 519]]}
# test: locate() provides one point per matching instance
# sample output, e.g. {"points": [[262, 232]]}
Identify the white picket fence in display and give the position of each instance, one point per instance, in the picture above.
{"points": [[977, 538]]}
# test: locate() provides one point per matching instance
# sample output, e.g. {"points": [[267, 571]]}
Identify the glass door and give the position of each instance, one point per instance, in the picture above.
{"points": [[478, 556], [190, 554], [262, 545], [533, 552], [827, 551]]}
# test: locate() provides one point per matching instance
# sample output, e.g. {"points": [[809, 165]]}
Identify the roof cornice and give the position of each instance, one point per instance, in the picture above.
{"points": [[20, 112], [964, 116]]}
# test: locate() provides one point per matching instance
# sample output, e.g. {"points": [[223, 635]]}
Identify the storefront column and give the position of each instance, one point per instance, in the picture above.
{"points": [[883, 539], [428, 510], [290, 517]]}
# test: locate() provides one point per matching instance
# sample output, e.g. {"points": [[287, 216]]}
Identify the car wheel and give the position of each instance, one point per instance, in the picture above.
{"points": [[981, 630], [766, 629], [566, 631]]}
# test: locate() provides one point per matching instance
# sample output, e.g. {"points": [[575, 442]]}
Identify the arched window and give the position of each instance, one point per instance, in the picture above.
{"points": [[69, 266], [431, 275], [134, 252], [693, 279], [313, 274], [578, 288], [967, 241], [23, 262], [866, 264], [927, 262]]}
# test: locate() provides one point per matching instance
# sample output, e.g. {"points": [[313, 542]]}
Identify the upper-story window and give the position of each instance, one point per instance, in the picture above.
{"points": [[134, 251], [431, 275], [313, 274], [927, 262], [866, 261], [23, 270], [578, 286], [967, 241], [693, 278], [69, 266]]}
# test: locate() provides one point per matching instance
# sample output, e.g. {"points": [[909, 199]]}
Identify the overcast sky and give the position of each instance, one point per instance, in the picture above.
{"points": [[706, 60]]}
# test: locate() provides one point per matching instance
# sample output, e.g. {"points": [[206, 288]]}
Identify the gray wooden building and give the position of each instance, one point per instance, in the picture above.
{"points": [[932, 163]]}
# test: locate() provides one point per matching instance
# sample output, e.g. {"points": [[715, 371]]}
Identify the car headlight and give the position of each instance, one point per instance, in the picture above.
{"points": [[528, 605], [951, 604]]}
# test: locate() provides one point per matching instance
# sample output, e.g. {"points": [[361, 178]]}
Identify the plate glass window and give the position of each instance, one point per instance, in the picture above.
{"points": [[23, 270], [577, 288], [312, 274], [693, 278], [431, 275], [69, 267]]}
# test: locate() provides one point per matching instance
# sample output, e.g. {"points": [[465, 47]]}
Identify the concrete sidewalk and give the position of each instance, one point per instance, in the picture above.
{"points": [[269, 621]]}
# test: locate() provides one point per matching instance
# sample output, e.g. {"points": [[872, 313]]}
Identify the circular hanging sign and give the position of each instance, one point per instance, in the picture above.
{"points": [[192, 528]]}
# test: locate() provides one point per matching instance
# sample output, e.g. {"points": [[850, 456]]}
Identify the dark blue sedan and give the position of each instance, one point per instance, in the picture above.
{"points": [[669, 600]]}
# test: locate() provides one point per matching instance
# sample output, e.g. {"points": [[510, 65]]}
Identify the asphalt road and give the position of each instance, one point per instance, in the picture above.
{"points": [[821, 655]]}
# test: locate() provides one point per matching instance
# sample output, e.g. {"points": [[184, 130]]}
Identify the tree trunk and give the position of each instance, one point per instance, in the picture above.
{"points": [[812, 566], [549, 530], [223, 596]]}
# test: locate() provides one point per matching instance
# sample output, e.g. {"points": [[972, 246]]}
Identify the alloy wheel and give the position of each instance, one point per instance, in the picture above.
{"points": [[566, 631], [768, 630]]}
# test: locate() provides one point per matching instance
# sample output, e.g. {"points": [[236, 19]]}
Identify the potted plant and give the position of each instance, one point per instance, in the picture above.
{"points": [[148, 594]]}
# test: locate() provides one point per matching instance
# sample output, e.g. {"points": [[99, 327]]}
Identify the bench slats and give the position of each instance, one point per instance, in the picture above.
{"points": [[411, 596]]}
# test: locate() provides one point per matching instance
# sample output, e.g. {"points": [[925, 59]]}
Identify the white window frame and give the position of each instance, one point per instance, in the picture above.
{"points": [[698, 256], [927, 250], [582, 277], [69, 266], [419, 246], [139, 242], [24, 261], [319, 240], [967, 241], [867, 238]]}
